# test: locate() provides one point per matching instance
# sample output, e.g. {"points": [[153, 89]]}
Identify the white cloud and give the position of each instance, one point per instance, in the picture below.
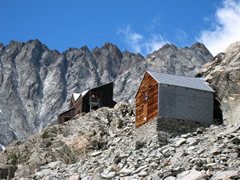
{"points": [[139, 44], [226, 28], [153, 43], [131, 38], [181, 36]]}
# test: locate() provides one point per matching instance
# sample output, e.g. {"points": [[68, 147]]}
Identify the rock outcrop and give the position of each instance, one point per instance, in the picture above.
{"points": [[102, 145], [223, 75], [36, 83]]}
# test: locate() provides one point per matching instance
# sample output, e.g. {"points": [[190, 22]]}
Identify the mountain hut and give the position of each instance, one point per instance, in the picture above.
{"points": [[180, 97], [89, 100]]}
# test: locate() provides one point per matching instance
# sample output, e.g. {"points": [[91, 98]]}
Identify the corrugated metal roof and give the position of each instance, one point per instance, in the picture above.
{"points": [[182, 81]]}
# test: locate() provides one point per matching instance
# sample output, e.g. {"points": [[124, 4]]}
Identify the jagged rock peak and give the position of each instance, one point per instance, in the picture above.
{"points": [[37, 41], [170, 49], [12, 42], [113, 48], [127, 53], [85, 48], [108, 45], [13, 45], [38, 44], [166, 46], [181, 61], [199, 45], [34, 43]]}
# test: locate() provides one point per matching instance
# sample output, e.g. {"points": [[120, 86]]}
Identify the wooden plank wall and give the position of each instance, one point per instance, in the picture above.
{"points": [[149, 86], [72, 103], [78, 106], [69, 113]]}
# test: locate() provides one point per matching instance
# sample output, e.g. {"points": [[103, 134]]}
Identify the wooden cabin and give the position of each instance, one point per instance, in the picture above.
{"points": [[180, 97], [89, 100]]}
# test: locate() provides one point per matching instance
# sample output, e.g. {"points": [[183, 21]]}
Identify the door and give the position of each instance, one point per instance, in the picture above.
{"points": [[145, 112]]}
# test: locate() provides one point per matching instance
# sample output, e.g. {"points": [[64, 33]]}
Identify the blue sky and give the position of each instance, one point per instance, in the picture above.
{"points": [[139, 26]]}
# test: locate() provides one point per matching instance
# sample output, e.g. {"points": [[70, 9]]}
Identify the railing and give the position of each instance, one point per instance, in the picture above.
{"points": [[95, 101]]}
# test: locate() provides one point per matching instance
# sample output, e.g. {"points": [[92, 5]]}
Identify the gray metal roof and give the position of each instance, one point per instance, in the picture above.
{"points": [[182, 81]]}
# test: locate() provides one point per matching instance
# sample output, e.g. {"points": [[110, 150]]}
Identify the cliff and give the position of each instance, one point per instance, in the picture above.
{"points": [[223, 75]]}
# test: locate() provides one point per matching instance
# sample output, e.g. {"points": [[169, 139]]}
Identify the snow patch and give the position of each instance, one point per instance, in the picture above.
{"points": [[76, 96], [3, 147], [84, 93], [0, 111]]}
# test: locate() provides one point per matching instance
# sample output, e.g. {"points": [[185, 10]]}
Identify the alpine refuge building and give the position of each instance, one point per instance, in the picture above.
{"points": [[89, 100], [171, 96]]}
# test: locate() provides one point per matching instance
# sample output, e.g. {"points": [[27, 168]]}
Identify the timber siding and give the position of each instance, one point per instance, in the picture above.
{"points": [[146, 101], [66, 116], [78, 106]]}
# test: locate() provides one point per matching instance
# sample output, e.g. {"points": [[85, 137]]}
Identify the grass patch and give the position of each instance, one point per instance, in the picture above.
{"points": [[45, 135], [12, 158]]}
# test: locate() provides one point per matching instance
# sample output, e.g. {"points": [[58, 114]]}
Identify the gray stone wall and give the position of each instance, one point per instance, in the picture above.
{"points": [[146, 134], [160, 129]]}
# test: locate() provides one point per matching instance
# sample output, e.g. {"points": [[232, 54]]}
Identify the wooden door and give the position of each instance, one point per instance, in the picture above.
{"points": [[145, 112]]}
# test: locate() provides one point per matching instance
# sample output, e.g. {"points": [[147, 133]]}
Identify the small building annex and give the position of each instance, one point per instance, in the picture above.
{"points": [[180, 97], [89, 100]]}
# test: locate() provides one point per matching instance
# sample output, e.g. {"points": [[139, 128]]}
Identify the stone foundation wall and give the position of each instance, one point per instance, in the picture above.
{"points": [[146, 133], [160, 129], [178, 126]]}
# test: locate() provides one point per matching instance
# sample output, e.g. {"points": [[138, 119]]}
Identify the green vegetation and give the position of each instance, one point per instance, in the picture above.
{"points": [[12, 158], [44, 135]]}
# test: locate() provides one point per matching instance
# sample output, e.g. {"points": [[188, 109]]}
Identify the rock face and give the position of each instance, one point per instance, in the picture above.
{"points": [[102, 145], [223, 75], [36, 83]]}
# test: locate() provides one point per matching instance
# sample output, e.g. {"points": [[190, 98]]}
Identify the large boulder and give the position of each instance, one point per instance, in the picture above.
{"points": [[223, 75]]}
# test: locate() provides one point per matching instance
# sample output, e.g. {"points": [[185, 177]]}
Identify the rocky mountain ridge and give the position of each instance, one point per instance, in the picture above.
{"points": [[36, 83]]}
